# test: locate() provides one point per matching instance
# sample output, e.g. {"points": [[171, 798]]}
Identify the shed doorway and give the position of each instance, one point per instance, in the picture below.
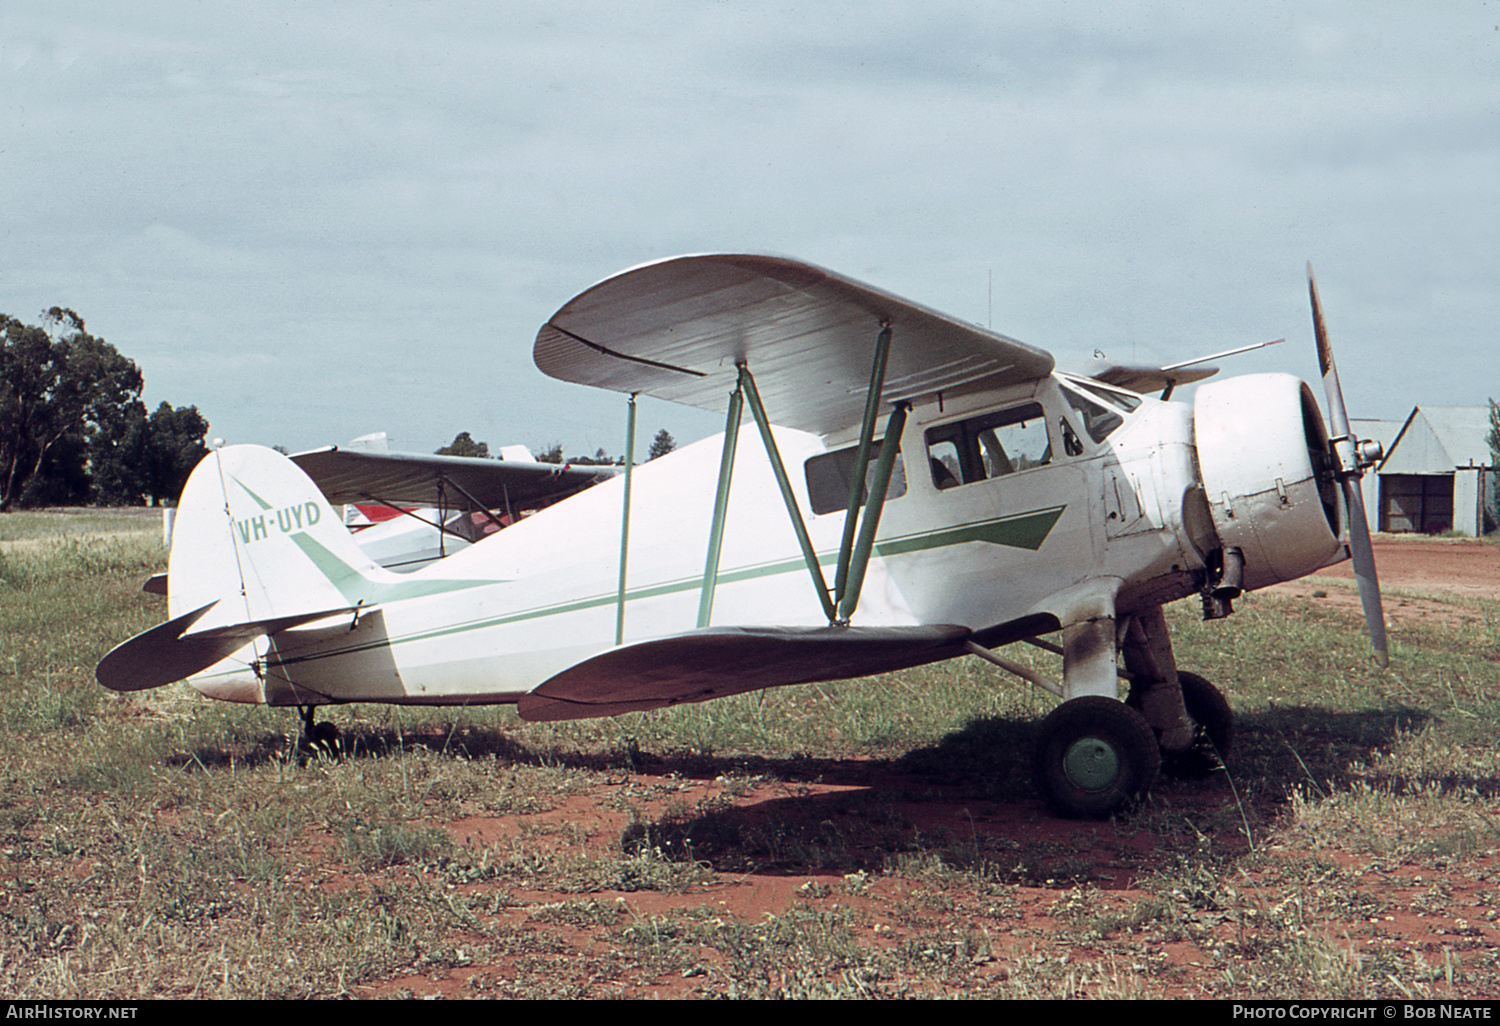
{"points": [[1416, 503]]}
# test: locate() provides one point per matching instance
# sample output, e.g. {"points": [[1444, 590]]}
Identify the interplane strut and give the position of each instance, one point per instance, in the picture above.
{"points": [[858, 539]]}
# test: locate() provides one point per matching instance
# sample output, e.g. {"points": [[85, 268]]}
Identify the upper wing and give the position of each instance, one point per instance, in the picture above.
{"points": [[412, 479], [676, 329]]}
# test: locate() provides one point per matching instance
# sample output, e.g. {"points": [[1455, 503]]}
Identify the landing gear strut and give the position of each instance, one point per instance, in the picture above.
{"points": [[1096, 755]]}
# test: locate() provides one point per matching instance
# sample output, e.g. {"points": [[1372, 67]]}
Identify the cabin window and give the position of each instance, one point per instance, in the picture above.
{"points": [[988, 446], [829, 476], [1071, 445]]}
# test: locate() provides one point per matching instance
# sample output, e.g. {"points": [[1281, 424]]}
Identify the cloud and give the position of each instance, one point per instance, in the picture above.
{"points": [[381, 203]]}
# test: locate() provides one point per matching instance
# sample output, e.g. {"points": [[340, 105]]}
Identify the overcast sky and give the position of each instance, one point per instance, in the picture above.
{"points": [[314, 220]]}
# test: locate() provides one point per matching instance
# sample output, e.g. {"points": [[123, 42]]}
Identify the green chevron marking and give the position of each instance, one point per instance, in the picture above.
{"points": [[1023, 530]]}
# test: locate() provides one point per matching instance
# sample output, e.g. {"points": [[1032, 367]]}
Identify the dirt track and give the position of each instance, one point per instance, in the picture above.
{"points": [[1416, 574], [1460, 566]]}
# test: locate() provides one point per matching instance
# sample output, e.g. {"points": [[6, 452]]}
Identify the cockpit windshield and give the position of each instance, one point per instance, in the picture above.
{"points": [[1123, 400], [1099, 420]]}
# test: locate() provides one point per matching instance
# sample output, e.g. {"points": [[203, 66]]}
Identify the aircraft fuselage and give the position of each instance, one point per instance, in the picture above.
{"points": [[1035, 508]]}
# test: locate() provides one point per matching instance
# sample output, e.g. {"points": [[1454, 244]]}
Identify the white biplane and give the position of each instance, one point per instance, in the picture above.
{"points": [[1001, 502]]}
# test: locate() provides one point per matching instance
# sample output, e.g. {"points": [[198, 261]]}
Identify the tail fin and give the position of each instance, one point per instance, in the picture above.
{"points": [[256, 549], [256, 539]]}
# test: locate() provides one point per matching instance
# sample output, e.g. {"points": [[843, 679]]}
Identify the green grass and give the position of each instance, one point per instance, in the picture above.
{"points": [[161, 845], [90, 523]]}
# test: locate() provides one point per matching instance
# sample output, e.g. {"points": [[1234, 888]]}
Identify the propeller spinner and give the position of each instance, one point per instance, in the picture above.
{"points": [[1349, 469]]}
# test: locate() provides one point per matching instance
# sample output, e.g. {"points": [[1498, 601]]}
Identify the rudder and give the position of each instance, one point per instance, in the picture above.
{"points": [[255, 538]]}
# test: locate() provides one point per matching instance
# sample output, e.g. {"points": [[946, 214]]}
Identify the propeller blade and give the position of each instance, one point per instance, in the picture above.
{"points": [[1364, 570], [1346, 461], [1338, 416]]}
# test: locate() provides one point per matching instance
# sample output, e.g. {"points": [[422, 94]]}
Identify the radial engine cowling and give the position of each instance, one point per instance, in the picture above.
{"points": [[1263, 453]]}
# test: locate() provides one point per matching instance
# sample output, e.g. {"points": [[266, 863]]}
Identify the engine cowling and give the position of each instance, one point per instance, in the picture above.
{"points": [[1263, 457]]}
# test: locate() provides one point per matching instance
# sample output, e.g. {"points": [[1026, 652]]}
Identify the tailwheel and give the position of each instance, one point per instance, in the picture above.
{"points": [[317, 738], [1094, 757], [1210, 710]]}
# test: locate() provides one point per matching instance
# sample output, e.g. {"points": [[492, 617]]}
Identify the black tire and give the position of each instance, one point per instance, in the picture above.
{"points": [[1214, 736], [1094, 757], [1213, 733], [323, 739]]}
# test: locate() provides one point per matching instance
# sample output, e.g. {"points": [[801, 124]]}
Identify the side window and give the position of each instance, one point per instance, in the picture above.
{"points": [[1071, 445], [988, 446], [1012, 445], [829, 476], [943, 455]]}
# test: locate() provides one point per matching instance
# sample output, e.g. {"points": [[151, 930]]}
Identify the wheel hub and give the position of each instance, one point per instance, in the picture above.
{"points": [[1091, 764]]}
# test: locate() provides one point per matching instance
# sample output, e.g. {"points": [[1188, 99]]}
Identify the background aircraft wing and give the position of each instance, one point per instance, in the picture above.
{"points": [[718, 661], [416, 480], [676, 329]]}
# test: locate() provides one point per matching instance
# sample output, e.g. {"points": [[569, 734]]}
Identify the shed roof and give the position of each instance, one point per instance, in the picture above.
{"points": [[1439, 439]]}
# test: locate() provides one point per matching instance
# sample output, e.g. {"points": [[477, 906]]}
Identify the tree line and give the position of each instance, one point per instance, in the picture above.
{"points": [[463, 444], [1493, 438], [73, 429]]}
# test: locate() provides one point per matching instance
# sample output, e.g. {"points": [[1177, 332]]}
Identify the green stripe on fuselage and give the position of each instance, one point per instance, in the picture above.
{"points": [[1023, 531], [355, 587]]}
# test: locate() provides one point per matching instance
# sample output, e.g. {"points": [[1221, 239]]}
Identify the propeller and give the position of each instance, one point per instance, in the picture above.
{"points": [[1349, 469]]}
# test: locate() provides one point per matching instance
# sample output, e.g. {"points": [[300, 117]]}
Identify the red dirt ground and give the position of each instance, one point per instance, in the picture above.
{"points": [[893, 910], [1411, 567]]}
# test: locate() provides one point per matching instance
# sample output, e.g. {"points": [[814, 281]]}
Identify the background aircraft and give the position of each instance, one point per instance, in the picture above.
{"points": [[438, 505], [1003, 501]]}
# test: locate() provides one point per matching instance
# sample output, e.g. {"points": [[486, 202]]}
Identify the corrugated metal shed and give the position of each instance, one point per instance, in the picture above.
{"points": [[1439, 439], [1438, 474]]}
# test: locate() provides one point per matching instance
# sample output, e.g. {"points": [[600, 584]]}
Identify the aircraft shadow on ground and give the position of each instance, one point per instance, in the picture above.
{"points": [[963, 800], [986, 759]]}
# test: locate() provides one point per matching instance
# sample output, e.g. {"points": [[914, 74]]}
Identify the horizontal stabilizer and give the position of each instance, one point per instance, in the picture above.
{"points": [[719, 661], [167, 652]]}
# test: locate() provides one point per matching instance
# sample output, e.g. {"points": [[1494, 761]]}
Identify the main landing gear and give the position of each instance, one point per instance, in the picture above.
{"points": [[1096, 755], [1213, 732]]}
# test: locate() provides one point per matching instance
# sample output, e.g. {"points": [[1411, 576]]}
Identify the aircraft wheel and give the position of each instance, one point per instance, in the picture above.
{"points": [[1095, 756], [322, 739], [1214, 736]]}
